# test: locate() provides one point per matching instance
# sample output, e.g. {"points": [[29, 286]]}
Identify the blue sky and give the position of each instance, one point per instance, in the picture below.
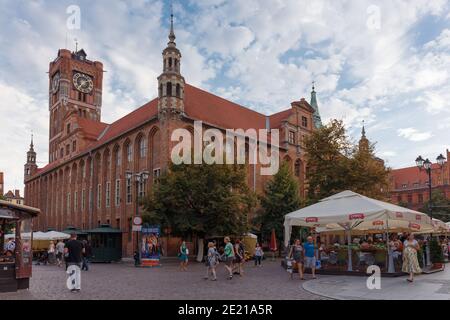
{"points": [[385, 62]]}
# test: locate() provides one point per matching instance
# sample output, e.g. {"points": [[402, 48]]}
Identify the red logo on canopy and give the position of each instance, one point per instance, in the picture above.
{"points": [[356, 216], [414, 226], [312, 219], [418, 217], [378, 223], [399, 215]]}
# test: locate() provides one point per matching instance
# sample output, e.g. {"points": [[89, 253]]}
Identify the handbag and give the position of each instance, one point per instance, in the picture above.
{"points": [[289, 266], [318, 264]]}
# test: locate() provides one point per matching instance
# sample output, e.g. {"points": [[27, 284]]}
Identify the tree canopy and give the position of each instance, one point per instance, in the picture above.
{"points": [[336, 164], [201, 199], [280, 198]]}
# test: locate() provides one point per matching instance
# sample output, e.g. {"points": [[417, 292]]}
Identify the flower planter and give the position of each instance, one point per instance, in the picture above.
{"points": [[437, 266]]}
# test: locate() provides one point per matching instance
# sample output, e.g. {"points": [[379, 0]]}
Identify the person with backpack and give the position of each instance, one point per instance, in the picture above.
{"points": [[73, 253], [212, 259]]}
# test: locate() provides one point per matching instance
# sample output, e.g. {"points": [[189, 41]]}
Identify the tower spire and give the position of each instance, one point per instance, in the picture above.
{"points": [[363, 130], [32, 143], [316, 115], [172, 36]]}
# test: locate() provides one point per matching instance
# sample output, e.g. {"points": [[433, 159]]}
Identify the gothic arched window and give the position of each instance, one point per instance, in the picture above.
{"points": [[298, 167], [143, 147], [170, 62], [169, 89], [160, 90], [178, 90]]}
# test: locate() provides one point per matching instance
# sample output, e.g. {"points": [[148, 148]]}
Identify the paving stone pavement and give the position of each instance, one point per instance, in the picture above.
{"points": [[435, 286], [123, 281]]}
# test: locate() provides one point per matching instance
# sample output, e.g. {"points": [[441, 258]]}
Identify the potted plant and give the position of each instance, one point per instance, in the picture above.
{"points": [[436, 254]]}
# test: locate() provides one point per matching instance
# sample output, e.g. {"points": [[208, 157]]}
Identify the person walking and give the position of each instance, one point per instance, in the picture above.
{"points": [[229, 257], [183, 256], [410, 262], [239, 258], [259, 253], [296, 253], [87, 254], [73, 253], [51, 253], [60, 253], [212, 260], [310, 255]]}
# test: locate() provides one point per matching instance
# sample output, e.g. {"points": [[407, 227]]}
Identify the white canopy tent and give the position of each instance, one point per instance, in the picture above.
{"points": [[44, 236], [351, 211]]}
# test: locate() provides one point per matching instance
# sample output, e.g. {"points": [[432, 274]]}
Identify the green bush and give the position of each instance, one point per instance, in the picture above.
{"points": [[436, 254]]}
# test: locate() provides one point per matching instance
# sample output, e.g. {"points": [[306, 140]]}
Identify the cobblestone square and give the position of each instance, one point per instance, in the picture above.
{"points": [[123, 281]]}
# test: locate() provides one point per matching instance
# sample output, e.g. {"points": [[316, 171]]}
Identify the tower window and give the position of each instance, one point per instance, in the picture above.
{"points": [[160, 90], [169, 89], [304, 122], [178, 90], [170, 62], [68, 128]]}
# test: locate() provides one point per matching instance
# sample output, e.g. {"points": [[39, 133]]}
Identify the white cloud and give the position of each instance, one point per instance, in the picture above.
{"points": [[414, 135]]}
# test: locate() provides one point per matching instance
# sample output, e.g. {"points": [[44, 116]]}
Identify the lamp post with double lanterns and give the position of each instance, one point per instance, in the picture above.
{"points": [[139, 179], [427, 166]]}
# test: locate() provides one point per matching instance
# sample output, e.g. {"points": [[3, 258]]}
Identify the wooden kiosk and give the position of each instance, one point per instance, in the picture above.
{"points": [[16, 254]]}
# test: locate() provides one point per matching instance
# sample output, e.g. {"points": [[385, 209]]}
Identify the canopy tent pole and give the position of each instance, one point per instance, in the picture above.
{"points": [[427, 251], [349, 249], [287, 233], [390, 257]]}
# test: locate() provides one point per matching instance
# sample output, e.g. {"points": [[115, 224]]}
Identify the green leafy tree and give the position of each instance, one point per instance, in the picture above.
{"points": [[280, 198], [368, 175], [328, 151], [202, 200], [441, 206], [335, 164]]}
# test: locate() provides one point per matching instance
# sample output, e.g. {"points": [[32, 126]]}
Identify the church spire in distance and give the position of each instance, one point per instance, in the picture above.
{"points": [[316, 115]]}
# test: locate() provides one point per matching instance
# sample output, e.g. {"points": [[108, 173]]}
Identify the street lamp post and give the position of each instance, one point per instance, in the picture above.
{"points": [[139, 178], [427, 166]]}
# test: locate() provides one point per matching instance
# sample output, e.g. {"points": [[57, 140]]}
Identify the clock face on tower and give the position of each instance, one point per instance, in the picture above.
{"points": [[55, 83], [83, 82]]}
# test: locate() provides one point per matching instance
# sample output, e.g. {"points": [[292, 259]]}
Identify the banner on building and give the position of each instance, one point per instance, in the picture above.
{"points": [[150, 246]]}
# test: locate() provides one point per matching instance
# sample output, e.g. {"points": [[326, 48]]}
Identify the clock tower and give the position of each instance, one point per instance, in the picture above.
{"points": [[75, 91]]}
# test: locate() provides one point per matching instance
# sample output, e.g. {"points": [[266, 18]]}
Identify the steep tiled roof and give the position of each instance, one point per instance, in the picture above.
{"points": [[91, 128], [130, 121], [277, 118], [215, 110]]}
